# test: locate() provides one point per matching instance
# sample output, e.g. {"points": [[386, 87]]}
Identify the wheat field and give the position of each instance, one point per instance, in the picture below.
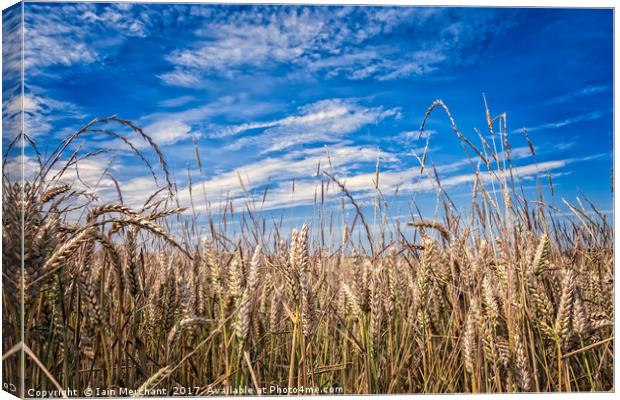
{"points": [[511, 295]]}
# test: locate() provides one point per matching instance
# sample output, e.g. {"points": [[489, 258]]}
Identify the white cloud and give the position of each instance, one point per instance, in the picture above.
{"points": [[11, 116], [234, 41], [11, 46], [52, 37], [69, 34], [407, 181], [412, 136], [361, 185], [279, 172], [176, 101], [11, 72], [256, 37], [563, 145], [302, 167], [183, 78], [171, 127], [40, 113], [12, 170], [91, 176], [382, 63], [135, 191], [594, 115], [516, 153], [588, 90], [165, 132], [251, 44], [328, 41], [323, 121]]}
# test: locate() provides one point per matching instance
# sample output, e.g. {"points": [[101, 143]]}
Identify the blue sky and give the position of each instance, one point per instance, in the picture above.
{"points": [[263, 90]]}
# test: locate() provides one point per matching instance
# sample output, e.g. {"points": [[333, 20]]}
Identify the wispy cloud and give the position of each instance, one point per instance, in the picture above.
{"points": [[588, 90], [405, 137], [11, 46], [177, 101], [362, 185], [382, 63], [40, 113], [278, 173], [325, 41], [11, 72], [170, 127], [594, 115], [169, 131], [295, 178], [323, 121], [69, 34], [92, 176]]}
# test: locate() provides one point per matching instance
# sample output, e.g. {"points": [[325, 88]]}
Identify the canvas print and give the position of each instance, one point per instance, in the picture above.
{"points": [[220, 199]]}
